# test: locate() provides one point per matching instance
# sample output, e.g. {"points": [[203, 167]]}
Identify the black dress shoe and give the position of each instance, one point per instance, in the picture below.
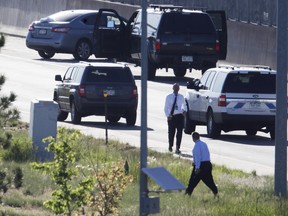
{"points": [[187, 193], [170, 149], [177, 151]]}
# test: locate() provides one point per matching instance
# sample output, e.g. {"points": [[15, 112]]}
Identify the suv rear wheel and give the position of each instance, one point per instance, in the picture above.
{"points": [[82, 50], [151, 71], [213, 129], [251, 132], [131, 117], [75, 115], [179, 72], [46, 54], [113, 119]]}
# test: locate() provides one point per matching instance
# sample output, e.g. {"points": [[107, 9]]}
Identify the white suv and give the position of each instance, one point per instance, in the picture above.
{"points": [[231, 98]]}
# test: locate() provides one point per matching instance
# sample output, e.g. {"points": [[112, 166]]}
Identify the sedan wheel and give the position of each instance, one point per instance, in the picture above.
{"points": [[46, 54], [82, 50]]}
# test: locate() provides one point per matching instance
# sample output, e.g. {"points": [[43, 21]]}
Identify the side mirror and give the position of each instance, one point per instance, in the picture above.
{"points": [[58, 78], [194, 84]]}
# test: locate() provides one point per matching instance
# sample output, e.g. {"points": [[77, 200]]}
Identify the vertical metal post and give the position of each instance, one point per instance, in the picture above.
{"points": [[280, 182], [143, 149], [106, 127]]}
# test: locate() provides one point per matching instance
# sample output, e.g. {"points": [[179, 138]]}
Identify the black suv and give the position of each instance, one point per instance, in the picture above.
{"points": [[98, 88], [180, 39]]}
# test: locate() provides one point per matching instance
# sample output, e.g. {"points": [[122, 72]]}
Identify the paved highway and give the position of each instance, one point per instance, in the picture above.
{"points": [[33, 78]]}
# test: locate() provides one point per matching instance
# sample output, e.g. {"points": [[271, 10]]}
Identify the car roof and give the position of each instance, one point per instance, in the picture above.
{"points": [[243, 69], [80, 11]]}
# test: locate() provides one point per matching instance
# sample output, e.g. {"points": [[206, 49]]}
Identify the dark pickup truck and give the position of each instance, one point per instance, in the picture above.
{"points": [[177, 38]]}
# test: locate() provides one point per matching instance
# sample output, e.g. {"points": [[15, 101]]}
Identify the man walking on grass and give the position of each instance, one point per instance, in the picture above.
{"points": [[202, 167]]}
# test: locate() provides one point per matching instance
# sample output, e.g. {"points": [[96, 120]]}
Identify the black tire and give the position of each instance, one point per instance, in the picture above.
{"points": [[131, 118], [213, 129], [46, 54], [151, 71], [62, 115], [251, 132], [179, 71], [113, 119], [82, 50], [75, 115]]}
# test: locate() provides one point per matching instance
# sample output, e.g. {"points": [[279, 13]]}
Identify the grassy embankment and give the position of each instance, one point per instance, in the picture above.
{"points": [[240, 193]]}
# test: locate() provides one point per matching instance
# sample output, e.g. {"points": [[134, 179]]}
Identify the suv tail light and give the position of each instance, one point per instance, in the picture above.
{"points": [[217, 47], [60, 29], [157, 45], [135, 92], [82, 91], [222, 101]]}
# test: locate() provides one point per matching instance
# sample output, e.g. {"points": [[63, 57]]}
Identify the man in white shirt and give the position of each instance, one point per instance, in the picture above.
{"points": [[202, 167], [175, 109]]}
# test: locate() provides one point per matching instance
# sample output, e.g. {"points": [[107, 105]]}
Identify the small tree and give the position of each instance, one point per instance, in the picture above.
{"points": [[63, 171], [109, 187]]}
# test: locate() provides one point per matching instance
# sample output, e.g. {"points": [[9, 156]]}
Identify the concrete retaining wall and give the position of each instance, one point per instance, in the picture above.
{"points": [[247, 43]]}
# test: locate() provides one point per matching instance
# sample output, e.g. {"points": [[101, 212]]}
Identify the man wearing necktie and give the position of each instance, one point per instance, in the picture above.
{"points": [[175, 109]]}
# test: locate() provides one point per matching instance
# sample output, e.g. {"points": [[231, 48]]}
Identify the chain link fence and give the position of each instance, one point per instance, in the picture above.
{"points": [[261, 12]]}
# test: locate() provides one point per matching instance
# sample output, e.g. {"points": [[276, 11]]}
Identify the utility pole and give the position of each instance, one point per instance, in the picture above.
{"points": [[143, 148], [280, 181]]}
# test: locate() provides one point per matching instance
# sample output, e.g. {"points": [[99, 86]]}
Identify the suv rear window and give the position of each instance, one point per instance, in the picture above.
{"points": [[252, 82], [111, 75], [186, 23]]}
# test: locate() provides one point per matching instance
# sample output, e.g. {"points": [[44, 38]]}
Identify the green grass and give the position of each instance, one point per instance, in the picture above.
{"points": [[240, 193]]}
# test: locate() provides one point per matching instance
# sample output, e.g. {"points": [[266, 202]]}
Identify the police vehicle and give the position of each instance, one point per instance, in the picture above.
{"points": [[229, 98]]}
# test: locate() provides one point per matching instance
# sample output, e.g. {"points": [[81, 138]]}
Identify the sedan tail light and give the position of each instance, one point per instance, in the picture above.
{"points": [[82, 91], [222, 101], [31, 28], [60, 29]]}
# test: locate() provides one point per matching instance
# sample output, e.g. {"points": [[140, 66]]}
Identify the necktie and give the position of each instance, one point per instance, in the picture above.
{"points": [[173, 107]]}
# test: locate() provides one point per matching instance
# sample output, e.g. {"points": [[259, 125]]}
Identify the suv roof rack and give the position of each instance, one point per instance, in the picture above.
{"points": [[166, 7], [251, 66]]}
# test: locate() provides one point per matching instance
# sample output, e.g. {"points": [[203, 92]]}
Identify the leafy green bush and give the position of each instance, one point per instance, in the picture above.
{"points": [[20, 149], [68, 196]]}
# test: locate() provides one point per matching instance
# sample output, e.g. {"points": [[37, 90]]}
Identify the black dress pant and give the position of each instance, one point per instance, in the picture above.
{"points": [[175, 124], [205, 175]]}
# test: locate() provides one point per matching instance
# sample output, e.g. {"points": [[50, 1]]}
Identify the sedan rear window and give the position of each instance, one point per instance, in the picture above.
{"points": [[252, 82], [64, 16], [111, 75]]}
